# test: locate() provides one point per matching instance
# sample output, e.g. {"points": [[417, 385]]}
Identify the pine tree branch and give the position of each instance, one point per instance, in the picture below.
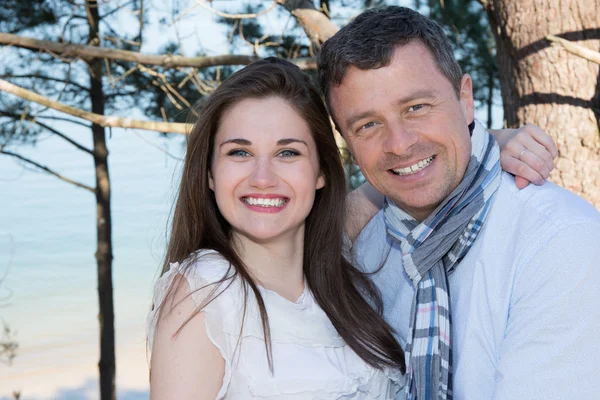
{"points": [[576, 49], [48, 170], [102, 120], [66, 50]]}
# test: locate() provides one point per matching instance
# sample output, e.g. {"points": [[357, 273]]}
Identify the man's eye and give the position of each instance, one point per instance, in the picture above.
{"points": [[368, 125], [416, 107], [238, 153], [288, 153]]}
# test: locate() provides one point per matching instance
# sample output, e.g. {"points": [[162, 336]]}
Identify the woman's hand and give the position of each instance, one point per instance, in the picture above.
{"points": [[527, 152]]}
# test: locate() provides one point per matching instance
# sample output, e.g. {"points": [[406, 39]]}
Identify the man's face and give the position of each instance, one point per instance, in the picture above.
{"points": [[406, 127]]}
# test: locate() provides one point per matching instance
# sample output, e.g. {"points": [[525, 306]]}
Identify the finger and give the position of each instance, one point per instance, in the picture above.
{"points": [[534, 148], [519, 168], [536, 163], [542, 138], [521, 182]]}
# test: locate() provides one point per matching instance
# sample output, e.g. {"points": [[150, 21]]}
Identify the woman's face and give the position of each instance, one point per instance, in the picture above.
{"points": [[265, 169]]}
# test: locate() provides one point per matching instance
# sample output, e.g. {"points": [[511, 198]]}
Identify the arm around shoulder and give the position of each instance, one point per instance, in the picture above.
{"points": [[550, 349], [185, 364], [362, 205]]}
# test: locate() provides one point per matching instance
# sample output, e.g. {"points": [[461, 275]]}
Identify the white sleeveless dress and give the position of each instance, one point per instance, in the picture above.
{"points": [[310, 359]]}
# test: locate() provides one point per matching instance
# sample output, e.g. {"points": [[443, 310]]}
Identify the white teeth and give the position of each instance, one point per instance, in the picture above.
{"points": [[262, 202], [414, 168]]}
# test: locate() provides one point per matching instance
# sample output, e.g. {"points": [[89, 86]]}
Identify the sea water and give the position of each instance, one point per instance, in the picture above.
{"points": [[48, 295]]}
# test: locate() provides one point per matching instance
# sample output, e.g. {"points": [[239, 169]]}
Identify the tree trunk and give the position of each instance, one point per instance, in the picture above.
{"points": [[546, 85], [104, 255]]}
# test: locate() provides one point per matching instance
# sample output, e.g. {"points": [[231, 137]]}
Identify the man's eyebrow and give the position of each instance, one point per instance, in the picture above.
{"points": [[285, 142], [352, 120], [241, 142], [420, 94]]}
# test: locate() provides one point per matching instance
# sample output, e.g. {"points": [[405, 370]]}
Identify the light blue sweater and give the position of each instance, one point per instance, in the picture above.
{"points": [[525, 300]]}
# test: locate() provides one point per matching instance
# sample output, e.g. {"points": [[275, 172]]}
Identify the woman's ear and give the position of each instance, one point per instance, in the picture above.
{"points": [[211, 182], [320, 181]]}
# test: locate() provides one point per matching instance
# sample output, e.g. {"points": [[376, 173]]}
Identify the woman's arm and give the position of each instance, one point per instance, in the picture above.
{"points": [[362, 204], [527, 152], [185, 365], [533, 165]]}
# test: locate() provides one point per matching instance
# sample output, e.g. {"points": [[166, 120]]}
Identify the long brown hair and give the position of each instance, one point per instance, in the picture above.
{"points": [[346, 295]]}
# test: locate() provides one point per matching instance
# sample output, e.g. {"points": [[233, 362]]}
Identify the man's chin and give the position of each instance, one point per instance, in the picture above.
{"points": [[419, 206]]}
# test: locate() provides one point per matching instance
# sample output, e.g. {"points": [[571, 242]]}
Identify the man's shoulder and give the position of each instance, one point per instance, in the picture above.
{"points": [[547, 205]]}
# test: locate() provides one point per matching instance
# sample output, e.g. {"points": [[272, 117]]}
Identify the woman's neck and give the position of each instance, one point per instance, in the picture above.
{"points": [[276, 265]]}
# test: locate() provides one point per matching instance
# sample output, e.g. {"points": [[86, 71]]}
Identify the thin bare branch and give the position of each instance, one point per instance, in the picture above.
{"points": [[64, 51], [157, 147], [63, 136], [576, 49], [47, 78], [48, 170], [202, 3], [34, 120], [56, 118], [102, 120]]}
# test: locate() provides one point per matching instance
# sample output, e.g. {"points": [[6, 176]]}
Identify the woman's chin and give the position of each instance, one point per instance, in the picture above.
{"points": [[274, 235]]}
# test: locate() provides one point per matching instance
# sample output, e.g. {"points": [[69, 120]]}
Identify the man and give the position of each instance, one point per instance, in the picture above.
{"points": [[492, 291]]}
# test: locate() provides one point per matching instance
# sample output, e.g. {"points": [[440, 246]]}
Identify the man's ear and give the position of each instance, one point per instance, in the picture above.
{"points": [[211, 182], [466, 98]]}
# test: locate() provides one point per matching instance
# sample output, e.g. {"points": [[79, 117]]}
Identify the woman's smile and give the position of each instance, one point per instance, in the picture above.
{"points": [[265, 203]]}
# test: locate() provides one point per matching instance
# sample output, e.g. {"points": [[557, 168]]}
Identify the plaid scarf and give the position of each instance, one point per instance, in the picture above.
{"points": [[430, 252]]}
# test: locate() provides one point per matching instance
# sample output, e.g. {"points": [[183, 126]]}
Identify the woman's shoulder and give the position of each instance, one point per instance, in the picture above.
{"points": [[207, 273], [206, 265]]}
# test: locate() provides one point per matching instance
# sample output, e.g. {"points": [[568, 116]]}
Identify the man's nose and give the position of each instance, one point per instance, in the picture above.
{"points": [[263, 174], [399, 138]]}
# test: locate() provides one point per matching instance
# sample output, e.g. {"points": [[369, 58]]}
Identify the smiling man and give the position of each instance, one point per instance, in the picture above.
{"points": [[491, 290]]}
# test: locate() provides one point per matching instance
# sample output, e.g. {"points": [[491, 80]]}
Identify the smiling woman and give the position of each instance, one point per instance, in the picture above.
{"points": [[256, 299], [265, 162]]}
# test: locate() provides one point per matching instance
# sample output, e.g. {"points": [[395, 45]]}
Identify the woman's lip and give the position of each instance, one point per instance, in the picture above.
{"points": [[265, 196], [263, 209]]}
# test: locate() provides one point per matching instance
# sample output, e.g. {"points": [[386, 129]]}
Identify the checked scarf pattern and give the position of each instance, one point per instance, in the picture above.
{"points": [[430, 252]]}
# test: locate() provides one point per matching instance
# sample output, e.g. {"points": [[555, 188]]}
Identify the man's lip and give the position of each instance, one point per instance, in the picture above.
{"points": [[406, 165]]}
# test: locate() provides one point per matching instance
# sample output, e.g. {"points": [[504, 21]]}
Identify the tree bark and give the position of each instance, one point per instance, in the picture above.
{"points": [[316, 25], [548, 86], [104, 255]]}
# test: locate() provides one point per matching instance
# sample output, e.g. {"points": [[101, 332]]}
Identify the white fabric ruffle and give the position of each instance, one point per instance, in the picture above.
{"points": [[310, 359]]}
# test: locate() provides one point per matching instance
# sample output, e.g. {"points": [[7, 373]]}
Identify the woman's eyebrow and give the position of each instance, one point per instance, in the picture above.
{"points": [[280, 142], [242, 142], [285, 142]]}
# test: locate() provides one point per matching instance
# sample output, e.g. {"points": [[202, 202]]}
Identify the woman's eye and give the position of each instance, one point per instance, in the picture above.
{"points": [[416, 107], [289, 153], [238, 153]]}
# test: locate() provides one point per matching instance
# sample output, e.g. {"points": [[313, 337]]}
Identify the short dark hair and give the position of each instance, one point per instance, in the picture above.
{"points": [[368, 42]]}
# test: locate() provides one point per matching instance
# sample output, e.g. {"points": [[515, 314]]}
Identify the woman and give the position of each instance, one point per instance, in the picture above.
{"points": [[256, 300]]}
